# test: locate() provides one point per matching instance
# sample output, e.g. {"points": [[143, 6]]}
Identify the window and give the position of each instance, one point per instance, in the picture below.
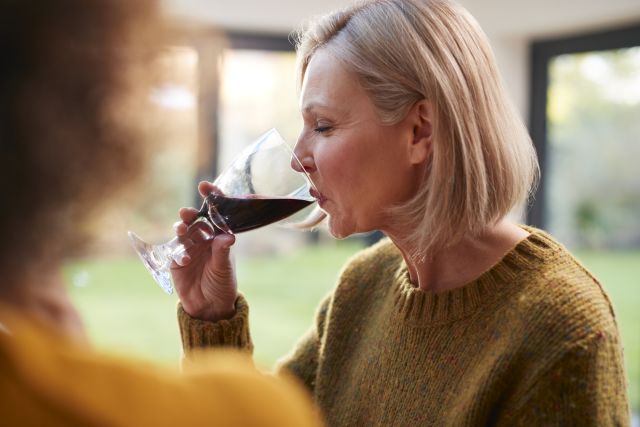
{"points": [[585, 123], [122, 308], [213, 100]]}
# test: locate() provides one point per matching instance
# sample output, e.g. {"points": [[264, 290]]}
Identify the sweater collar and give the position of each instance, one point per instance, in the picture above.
{"points": [[423, 307]]}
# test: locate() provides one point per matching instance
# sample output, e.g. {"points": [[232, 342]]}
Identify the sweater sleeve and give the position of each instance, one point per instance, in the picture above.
{"points": [[303, 360], [231, 333], [585, 387]]}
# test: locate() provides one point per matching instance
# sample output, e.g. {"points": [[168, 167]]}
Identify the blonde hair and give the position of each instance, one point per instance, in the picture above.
{"points": [[403, 51]]}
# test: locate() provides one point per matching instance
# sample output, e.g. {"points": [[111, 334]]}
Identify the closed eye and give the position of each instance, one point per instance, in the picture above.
{"points": [[322, 129]]}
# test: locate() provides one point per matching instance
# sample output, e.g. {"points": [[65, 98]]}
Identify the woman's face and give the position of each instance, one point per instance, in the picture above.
{"points": [[359, 166]]}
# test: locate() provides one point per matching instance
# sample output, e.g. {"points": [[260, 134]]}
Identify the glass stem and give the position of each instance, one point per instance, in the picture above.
{"points": [[165, 253]]}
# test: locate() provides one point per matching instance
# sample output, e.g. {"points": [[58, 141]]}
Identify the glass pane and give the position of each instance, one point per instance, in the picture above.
{"points": [[593, 184], [123, 309], [258, 92]]}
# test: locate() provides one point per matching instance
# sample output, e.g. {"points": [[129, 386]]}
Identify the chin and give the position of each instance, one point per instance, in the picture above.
{"points": [[339, 229], [337, 234]]}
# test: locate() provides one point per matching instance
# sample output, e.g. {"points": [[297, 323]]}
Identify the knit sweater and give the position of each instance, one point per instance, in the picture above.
{"points": [[533, 341]]}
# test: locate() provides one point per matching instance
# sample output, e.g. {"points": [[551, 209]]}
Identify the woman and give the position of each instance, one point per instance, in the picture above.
{"points": [[69, 139], [460, 317]]}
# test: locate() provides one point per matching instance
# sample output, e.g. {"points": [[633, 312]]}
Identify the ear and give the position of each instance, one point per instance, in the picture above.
{"points": [[421, 120]]}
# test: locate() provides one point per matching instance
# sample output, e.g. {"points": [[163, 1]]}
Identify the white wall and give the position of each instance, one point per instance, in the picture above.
{"points": [[512, 55], [510, 24], [498, 17]]}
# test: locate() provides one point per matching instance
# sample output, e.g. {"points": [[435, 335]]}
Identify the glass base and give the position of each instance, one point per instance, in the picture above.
{"points": [[157, 259]]}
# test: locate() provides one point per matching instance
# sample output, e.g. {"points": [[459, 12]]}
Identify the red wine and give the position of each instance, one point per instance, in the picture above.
{"points": [[244, 214]]}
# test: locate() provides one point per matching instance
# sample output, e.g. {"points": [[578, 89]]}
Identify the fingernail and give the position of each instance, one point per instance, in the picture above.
{"points": [[224, 240], [178, 259]]}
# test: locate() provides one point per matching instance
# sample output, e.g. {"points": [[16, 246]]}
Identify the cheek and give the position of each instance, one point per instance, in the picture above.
{"points": [[338, 169], [351, 174]]}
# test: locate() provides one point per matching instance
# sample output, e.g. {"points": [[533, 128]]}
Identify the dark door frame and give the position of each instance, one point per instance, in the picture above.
{"points": [[239, 40], [260, 41]]}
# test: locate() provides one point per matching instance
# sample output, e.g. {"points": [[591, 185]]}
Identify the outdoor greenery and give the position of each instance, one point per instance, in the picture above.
{"points": [[594, 142], [125, 311], [619, 272]]}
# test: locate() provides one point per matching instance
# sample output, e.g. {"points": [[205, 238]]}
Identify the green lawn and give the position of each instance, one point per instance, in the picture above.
{"points": [[125, 311], [619, 273]]}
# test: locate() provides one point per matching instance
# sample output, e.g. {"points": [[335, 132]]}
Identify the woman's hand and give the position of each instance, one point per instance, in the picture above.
{"points": [[205, 278]]}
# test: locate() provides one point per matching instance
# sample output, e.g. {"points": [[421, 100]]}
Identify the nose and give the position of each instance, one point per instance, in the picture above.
{"points": [[302, 159]]}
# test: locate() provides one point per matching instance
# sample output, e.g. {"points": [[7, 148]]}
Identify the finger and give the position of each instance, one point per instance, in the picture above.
{"points": [[200, 231], [188, 215], [221, 245], [182, 259], [220, 260], [180, 228], [184, 230], [205, 188], [191, 250]]}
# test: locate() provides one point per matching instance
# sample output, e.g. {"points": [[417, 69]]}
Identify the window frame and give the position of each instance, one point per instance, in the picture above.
{"points": [[239, 40], [260, 41], [541, 53]]}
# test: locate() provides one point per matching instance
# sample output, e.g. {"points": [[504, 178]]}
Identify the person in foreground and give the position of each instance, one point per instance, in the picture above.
{"points": [[460, 317], [69, 138]]}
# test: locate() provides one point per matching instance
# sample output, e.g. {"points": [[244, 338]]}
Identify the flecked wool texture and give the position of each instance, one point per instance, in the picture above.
{"points": [[532, 342]]}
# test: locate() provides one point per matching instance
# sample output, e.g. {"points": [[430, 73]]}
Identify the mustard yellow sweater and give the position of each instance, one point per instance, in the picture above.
{"points": [[532, 342], [46, 380]]}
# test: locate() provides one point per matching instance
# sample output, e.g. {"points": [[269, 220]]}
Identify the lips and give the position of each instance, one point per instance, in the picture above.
{"points": [[317, 195]]}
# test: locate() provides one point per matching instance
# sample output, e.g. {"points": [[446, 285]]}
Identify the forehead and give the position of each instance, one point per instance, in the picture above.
{"points": [[328, 83]]}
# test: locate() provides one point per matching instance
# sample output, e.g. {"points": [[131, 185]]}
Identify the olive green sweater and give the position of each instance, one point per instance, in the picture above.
{"points": [[532, 342]]}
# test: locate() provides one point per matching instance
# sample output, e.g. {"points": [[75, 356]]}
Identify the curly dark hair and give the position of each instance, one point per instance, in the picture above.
{"points": [[69, 137]]}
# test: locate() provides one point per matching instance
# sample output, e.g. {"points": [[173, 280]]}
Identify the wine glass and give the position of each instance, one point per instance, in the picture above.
{"points": [[260, 187]]}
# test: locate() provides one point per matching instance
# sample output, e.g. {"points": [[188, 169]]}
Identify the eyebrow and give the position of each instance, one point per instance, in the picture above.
{"points": [[314, 105], [319, 105]]}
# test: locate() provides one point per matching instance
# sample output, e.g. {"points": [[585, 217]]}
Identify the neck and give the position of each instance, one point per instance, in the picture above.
{"points": [[462, 262], [45, 298]]}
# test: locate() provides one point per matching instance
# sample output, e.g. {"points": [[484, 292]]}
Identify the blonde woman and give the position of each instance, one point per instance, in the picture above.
{"points": [[460, 317]]}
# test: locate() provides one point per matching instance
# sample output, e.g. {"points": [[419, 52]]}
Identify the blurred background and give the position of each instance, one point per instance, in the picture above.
{"points": [[572, 68]]}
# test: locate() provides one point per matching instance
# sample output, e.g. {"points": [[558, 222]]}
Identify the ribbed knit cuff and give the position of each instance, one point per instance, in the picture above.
{"points": [[234, 332]]}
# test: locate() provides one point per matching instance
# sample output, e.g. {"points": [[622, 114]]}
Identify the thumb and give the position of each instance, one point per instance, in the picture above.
{"points": [[220, 248], [223, 242]]}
